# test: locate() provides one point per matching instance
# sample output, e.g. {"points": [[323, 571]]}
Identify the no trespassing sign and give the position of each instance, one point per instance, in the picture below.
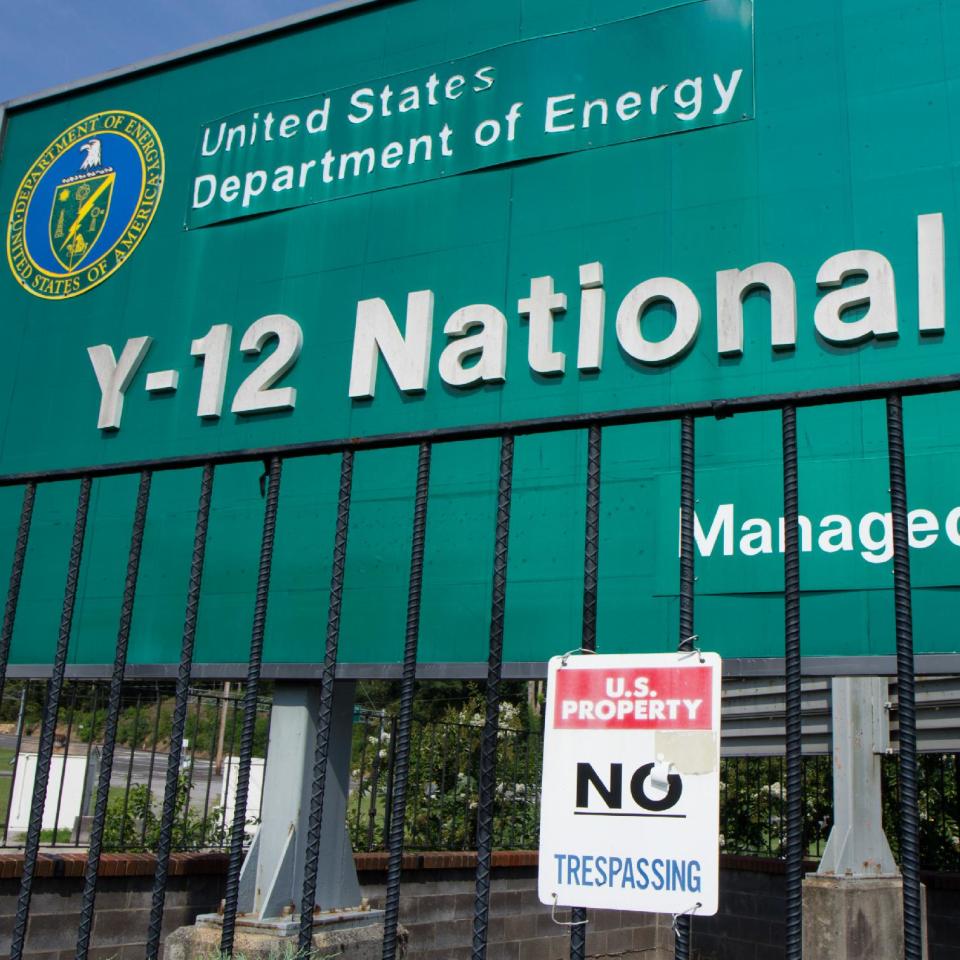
{"points": [[631, 783]]}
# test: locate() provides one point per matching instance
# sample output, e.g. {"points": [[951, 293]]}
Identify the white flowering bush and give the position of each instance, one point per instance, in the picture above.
{"points": [[443, 781]]}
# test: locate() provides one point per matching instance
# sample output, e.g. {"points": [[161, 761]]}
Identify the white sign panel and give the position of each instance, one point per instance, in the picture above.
{"points": [[631, 783], [64, 799], [228, 791]]}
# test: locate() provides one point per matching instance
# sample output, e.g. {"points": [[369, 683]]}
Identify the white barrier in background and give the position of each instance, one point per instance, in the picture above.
{"points": [[228, 791], [71, 799]]}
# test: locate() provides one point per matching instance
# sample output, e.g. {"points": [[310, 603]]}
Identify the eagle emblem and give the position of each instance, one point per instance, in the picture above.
{"points": [[92, 150]]}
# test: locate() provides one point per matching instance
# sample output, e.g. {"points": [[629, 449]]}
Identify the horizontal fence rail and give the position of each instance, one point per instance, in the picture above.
{"points": [[786, 800], [709, 409]]}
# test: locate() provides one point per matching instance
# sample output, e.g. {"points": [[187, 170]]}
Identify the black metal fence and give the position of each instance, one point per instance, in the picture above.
{"points": [[753, 807], [442, 784], [444, 767], [443, 775], [208, 765], [592, 425]]}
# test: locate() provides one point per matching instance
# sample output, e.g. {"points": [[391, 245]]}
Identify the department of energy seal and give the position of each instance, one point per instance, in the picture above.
{"points": [[85, 204]]}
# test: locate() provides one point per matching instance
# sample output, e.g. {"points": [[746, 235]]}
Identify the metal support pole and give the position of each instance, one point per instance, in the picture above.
{"points": [[222, 729], [794, 742], [857, 846], [271, 878], [906, 694]]}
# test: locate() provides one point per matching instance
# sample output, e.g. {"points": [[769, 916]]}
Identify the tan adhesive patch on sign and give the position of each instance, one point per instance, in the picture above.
{"points": [[688, 751]]}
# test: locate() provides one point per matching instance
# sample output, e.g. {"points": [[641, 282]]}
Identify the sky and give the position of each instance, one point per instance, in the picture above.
{"points": [[44, 43]]}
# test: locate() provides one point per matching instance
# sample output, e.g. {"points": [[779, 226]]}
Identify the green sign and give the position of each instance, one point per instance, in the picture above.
{"points": [[644, 261], [608, 84]]}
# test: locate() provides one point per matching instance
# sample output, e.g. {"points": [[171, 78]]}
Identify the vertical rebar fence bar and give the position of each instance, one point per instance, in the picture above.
{"points": [[13, 589], [6, 632], [325, 715], [683, 925], [113, 716], [179, 714], [391, 915], [487, 787], [250, 692], [906, 693], [791, 634], [588, 635], [49, 726]]}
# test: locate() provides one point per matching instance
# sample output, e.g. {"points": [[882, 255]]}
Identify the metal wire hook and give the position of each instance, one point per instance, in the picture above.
{"points": [[689, 911], [688, 647], [570, 653], [568, 923]]}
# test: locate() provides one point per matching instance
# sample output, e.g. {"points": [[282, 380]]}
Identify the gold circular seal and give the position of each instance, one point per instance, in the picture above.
{"points": [[85, 204]]}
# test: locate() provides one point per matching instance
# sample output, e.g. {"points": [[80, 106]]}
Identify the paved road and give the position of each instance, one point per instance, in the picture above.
{"points": [[140, 766]]}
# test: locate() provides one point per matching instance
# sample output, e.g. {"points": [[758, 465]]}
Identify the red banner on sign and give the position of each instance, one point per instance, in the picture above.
{"points": [[668, 698]]}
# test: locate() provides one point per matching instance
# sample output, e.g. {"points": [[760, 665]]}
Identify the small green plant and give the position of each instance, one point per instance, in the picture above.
{"points": [[60, 835], [133, 823]]}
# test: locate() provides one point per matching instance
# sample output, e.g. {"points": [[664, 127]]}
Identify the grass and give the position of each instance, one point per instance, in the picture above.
{"points": [[63, 835]]}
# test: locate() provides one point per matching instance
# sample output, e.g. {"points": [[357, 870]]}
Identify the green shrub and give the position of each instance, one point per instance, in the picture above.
{"points": [[132, 823]]}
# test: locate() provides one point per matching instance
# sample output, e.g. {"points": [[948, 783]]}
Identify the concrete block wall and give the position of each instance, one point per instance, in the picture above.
{"points": [[437, 896], [436, 908], [943, 915], [750, 924], [121, 918], [122, 914]]}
